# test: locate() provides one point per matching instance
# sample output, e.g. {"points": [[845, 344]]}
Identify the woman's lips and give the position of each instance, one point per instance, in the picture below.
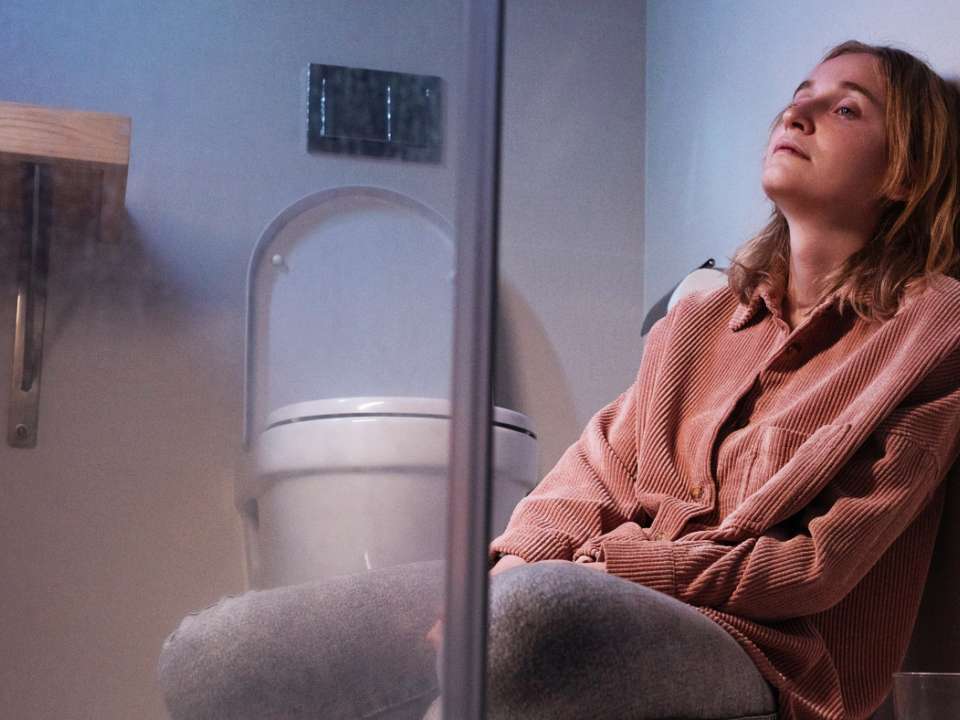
{"points": [[790, 150]]}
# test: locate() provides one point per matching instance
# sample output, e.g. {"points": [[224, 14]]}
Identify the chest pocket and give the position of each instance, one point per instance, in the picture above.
{"points": [[774, 448]]}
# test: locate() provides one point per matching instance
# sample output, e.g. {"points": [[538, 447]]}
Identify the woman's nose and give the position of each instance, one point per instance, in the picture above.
{"points": [[797, 115]]}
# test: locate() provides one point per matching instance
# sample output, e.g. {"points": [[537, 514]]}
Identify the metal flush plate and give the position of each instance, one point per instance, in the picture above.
{"points": [[357, 111]]}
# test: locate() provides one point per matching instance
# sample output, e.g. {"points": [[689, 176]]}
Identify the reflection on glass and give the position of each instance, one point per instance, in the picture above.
{"points": [[123, 522], [926, 696]]}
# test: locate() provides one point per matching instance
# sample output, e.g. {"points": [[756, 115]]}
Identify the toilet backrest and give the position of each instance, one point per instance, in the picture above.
{"points": [[349, 293], [700, 280]]}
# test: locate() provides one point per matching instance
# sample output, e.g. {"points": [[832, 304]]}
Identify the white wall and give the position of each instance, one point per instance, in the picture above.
{"points": [[571, 265], [717, 74]]}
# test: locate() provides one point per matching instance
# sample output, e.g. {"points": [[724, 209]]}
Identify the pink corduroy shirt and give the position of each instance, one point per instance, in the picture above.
{"points": [[787, 484]]}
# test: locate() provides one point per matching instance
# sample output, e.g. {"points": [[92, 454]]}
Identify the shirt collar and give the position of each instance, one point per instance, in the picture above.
{"points": [[765, 300]]}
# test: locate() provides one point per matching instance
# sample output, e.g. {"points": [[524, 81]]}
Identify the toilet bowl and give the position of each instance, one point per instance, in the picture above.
{"points": [[345, 485]]}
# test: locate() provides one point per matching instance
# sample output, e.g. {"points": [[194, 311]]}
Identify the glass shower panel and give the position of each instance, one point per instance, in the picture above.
{"points": [[242, 442]]}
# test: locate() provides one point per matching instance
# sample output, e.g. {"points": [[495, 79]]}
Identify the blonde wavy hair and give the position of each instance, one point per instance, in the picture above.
{"points": [[917, 235]]}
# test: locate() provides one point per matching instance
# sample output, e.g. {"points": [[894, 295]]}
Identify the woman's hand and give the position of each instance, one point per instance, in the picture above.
{"points": [[602, 566], [589, 562], [435, 636]]}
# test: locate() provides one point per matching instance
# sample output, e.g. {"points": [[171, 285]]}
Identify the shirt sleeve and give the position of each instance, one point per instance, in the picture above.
{"points": [[812, 564], [591, 490]]}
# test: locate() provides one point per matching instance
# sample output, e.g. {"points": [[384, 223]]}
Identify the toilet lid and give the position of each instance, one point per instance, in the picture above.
{"points": [[331, 408]]}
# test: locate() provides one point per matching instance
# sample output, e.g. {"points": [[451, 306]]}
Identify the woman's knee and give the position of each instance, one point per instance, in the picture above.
{"points": [[201, 660], [541, 595], [247, 656], [554, 625], [540, 630], [286, 652]]}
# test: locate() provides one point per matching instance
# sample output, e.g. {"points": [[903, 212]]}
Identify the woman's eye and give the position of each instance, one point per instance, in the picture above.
{"points": [[846, 111]]}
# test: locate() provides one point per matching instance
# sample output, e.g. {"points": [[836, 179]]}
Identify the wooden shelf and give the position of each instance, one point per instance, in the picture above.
{"points": [[90, 155]]}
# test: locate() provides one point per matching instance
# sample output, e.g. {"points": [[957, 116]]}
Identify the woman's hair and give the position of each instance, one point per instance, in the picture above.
{"points": [[917, 235]]}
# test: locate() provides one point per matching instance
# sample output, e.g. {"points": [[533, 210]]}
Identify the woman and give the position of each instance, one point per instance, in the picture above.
{"points": [[746, 531]]}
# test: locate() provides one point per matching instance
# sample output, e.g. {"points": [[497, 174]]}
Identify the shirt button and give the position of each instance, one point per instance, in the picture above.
{"points": [[659, 536], [696, 491]]}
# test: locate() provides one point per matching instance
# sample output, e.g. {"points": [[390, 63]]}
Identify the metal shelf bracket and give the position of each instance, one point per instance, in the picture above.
{"points": [[32, 270]]}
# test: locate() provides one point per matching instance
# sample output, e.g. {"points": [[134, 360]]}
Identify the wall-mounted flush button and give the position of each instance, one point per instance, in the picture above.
{"points": [[373, 112]]}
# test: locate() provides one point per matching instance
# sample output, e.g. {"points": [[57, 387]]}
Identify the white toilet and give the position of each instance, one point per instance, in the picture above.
{"points": [[350, 299], [345, 485]]}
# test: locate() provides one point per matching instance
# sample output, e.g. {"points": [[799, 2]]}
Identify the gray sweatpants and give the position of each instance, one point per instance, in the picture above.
{"points": [[565, 642]]}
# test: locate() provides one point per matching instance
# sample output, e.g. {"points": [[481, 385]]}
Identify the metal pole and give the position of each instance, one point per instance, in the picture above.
{"points": [[468, 521]]}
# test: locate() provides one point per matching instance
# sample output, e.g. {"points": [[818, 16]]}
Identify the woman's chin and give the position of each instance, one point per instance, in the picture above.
{"points": [[783, 190]]}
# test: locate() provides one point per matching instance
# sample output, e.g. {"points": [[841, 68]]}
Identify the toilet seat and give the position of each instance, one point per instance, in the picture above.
{"points": [[334, 408]]}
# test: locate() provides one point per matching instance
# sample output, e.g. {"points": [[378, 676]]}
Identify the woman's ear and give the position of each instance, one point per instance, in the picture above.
{"points": [[900, 195], [901, 191]]}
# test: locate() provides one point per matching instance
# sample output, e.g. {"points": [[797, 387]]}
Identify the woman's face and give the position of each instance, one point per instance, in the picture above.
{"points": [[837, 158]]}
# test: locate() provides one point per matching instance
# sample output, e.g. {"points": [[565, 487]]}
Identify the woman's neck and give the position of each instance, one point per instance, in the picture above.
{"points": [[815, 252]]}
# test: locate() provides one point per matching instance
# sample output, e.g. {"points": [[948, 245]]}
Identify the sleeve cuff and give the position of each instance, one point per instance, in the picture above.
{"points": [[532, 544], [650, 563]]}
